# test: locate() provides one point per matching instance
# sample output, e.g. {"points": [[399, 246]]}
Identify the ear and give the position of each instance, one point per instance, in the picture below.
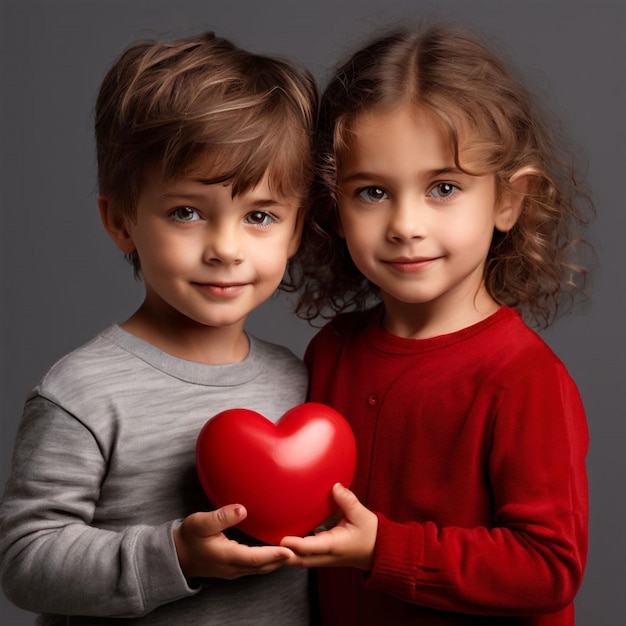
{"points": [[116, 225], [510, 205]]}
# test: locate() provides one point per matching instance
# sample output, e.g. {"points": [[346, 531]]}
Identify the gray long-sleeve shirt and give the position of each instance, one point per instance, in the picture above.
{"points": [[103, 470]]}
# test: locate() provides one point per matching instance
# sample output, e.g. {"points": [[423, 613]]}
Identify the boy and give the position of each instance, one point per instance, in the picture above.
{"points": [[204, 164]]}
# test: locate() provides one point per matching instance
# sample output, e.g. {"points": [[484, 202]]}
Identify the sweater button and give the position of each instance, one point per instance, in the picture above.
{"points": [[372, 399]]}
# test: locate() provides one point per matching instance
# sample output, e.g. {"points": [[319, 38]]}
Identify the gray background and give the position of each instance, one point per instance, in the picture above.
{"points": [[63, 280]]}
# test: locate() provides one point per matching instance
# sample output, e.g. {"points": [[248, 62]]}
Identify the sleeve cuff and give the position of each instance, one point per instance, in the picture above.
{"points": [[397, 554], [159, 570]]}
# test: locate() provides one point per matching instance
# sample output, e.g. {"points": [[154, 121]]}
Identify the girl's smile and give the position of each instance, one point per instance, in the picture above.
{"points": [[405, 264]]}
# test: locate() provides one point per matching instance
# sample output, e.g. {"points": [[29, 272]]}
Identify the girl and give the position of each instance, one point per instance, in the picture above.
{"points": [[442, 197]]}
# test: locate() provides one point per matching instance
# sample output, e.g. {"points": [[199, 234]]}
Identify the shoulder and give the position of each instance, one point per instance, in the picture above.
{"points": [[94, 365], [516, 358], [276, 357], [271, 351], [513, 343]]}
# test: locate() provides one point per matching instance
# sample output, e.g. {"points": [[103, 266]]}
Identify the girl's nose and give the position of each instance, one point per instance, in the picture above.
{"points": [[406, 221]]}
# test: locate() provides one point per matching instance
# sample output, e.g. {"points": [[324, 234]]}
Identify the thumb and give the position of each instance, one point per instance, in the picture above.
{"points": [[213, 522], [345, 499]]}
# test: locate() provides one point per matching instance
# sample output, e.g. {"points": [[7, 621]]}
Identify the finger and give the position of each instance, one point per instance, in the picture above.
{"points": [[344, 498], [258, 558], [318, 544], [297, 544], [213, 522], [312, 560], [348, 502]]}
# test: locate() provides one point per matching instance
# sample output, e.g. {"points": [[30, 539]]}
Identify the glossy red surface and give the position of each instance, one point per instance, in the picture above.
{"points": [[282, 473]]}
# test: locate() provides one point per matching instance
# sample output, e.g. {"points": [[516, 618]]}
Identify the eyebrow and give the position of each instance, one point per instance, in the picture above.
{"points": [[356, 176]]}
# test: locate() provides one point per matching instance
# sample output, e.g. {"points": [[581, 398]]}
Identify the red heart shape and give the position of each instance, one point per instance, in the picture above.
{"points": [[282, 473]]}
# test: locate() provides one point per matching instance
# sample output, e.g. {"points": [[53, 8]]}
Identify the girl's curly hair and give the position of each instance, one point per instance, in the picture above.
{"points": [[490, 119]]}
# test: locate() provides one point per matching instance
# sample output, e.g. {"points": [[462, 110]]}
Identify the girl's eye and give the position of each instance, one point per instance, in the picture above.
{"points": [[185, 214], [441, 191], [372, 194], [259, 218]]}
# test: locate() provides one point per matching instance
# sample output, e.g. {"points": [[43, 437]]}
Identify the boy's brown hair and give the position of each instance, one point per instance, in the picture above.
{"points": [[166, 104]]}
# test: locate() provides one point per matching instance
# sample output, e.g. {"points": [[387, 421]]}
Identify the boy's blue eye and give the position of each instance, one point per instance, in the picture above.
{"points": [[259, 218], [372, 194], [441, 191], [185, 214]]}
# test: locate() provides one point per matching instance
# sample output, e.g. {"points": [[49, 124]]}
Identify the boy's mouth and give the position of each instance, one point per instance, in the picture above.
{"points": [[222, 290]]}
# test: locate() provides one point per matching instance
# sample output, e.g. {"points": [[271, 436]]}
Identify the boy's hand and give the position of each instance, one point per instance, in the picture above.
{"points": [[350, 543], [204, 551]]}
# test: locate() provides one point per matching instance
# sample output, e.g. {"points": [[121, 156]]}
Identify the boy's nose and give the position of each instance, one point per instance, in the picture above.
{"points": [[224, 245]]}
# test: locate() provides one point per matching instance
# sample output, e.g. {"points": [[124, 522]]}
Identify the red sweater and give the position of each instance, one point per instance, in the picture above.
{"points": [[471, 451]]}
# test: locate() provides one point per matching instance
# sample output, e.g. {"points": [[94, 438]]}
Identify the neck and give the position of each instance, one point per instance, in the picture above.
{"points": [[424, 321], [186, 339]]}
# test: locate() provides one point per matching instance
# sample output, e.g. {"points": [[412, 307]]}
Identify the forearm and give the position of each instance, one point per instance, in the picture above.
{"points": [[55, 558], [81, 570], [496, 571]]}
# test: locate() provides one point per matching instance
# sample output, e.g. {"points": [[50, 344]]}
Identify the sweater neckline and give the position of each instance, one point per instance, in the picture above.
{"points": [[222, 375], [384, 341]]}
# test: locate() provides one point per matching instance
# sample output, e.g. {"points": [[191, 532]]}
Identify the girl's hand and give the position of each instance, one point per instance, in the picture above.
{"points": [[350, 543], [204, 551]]}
